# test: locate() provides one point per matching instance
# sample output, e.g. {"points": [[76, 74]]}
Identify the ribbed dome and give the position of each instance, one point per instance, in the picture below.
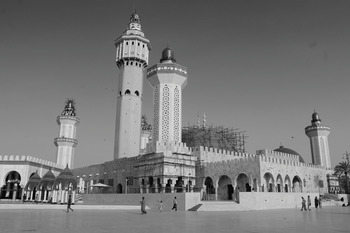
{"points": [[283, 149], [47, 180], [168, 55], [32, 182], [65, 178]]}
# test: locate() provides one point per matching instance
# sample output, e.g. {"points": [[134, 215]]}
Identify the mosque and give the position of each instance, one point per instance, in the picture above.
{"points": [[150, 160], [159, 162]]}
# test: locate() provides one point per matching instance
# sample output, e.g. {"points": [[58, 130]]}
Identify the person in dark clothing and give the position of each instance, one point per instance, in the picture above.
{"points": [[174, 204], [143, 206], [316, 202], [69, 203]]}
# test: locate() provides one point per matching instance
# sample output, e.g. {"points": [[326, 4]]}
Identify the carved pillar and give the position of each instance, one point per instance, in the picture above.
{"points": [[141, 188], [172, 188], [156, 188], [147, 188], [216, 192]]}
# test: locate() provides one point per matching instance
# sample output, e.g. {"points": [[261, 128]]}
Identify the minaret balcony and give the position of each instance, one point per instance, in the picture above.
{"points": [[65, 140], [167, 68]]}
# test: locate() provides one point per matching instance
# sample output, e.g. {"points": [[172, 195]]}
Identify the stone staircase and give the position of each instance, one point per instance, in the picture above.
{"points": [[218, 206]]}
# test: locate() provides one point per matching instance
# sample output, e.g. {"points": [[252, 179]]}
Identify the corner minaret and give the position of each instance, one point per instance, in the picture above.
{"points": [[66, 140], [318, 135], [167, 79], [132, 60]]}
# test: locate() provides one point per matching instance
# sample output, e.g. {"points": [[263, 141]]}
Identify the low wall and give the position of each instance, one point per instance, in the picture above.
{"points": [[185, 201], [267, 200]]}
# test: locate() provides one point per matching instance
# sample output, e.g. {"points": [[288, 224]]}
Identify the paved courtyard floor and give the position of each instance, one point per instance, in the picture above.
{"points": [[327, 219]]}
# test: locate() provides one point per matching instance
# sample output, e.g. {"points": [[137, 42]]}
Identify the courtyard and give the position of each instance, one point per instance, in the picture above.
{"points": [[56, 220]]}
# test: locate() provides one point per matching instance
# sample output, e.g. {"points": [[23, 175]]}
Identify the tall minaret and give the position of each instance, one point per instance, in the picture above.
{"points": [[167, 79], [318, 135], [66, 140], [132, 59]]}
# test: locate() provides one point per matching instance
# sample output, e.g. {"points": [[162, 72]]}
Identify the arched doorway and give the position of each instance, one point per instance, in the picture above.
{"points": [[225, 188], [279, 183], [287, 184], [179, 185], [119, 188], [297, 185], [269, 181], [209, 193], [151, 184], [168, 186], [11, 190], [243, 183]]}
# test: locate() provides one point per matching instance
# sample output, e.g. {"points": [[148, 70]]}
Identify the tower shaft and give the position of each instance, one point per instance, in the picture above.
{"points": [[318, 135], [167, 79], [131, 58], [66, 140]]}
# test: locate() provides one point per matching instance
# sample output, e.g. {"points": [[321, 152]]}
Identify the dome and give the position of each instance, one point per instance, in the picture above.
{"points": [[32, 182], [167, 55], [47, 180], [315, 118], [66, 178], [286, 150]]}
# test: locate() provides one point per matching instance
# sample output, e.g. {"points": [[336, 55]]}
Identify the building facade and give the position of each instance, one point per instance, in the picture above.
{"points": [[167, 164]]}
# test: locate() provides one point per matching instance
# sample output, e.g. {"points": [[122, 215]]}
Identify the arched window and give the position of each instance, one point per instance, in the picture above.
{"points": [[137, 93], [127, 92]]}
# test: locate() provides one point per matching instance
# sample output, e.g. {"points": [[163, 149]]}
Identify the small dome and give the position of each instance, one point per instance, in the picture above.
{"points": [[315, 117], [167, 55], [33, 182], [47, 180], [283, 149], [66, 178]]}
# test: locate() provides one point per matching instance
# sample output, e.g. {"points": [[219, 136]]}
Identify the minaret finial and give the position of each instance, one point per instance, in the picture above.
{"points": [[204, 120], [198, 123]]}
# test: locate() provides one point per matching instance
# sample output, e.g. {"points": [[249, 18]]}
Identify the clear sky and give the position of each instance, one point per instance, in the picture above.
{"points": [[260, 66]]}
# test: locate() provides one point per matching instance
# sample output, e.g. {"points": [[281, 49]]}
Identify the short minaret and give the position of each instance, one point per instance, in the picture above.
{"points": [[66, 140], [132, 60], [167, 79], [318, 135]]}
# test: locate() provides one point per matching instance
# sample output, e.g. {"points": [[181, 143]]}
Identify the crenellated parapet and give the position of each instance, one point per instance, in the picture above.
{"points": [[28, 158], [283, 161], [165, 146], [209, 154], [278, 155]]}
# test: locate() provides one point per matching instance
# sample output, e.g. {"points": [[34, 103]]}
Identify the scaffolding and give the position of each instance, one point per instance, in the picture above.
{"points": [[220, 137]]}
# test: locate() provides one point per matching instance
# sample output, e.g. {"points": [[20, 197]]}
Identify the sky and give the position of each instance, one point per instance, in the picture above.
{"points": [[260, 66]]}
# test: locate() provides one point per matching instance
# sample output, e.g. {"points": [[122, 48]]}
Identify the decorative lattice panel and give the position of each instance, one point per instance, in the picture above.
{"points": [[165, 113], [156, 111], [176, 114]]}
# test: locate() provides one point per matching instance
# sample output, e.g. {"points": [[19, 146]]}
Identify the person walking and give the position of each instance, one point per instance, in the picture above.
{"points": [[161, 206], [143, 206], [303, 204], [24, 198], [174, 204], [69, 203], [308, 203], [316, 202]]}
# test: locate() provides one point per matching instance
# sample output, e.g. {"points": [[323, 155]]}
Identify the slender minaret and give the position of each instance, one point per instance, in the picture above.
{"points": [[167, 79], [66, 140], [318, 135], [132, 59]]}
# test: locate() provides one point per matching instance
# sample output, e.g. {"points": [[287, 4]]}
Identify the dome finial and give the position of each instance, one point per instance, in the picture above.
{"points": [[315, 118], [167, 55]]}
